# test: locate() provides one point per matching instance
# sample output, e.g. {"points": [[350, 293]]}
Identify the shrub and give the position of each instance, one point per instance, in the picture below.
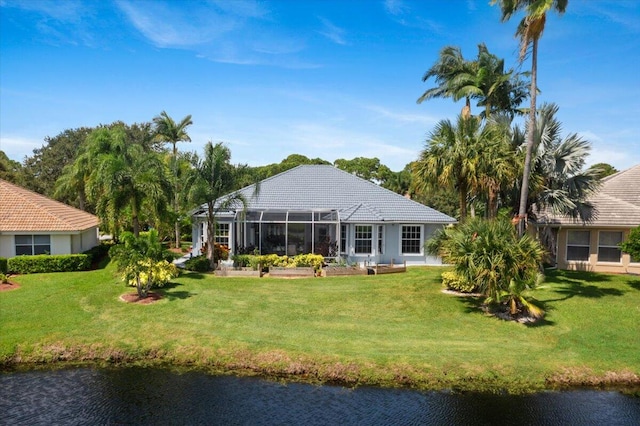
{"points": [[3, 265], [315, 260], [197, 264], [220, 252], [3, 278], [246, 260], [632, 244], [49, 263], [150, 273], [455, 282], [490, 254], [98, 252]]}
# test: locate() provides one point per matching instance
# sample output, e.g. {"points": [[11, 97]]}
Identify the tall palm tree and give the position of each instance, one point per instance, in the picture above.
{"points": [[167, 130], [212, 182], [529, 32], [453, 157], [483, 79], [448, 67]]}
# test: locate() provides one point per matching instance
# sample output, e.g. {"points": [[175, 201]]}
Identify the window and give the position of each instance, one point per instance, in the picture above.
{"points": [[363, 237], [32, 244], [411, 242], [609, 246], [343, 238], [578, 245], [222, 234], [380, 239]]}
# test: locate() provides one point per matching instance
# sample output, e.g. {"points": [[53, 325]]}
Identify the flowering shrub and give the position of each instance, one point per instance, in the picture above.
{"points": [[455, 282], [150, 274]]}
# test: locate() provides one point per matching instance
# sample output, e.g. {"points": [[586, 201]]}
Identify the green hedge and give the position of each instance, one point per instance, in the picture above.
{"points": [[4, 268], [49, 263], [197, 264]]}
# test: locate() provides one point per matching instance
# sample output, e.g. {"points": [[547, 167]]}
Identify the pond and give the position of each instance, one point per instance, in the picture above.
{"points": [[87, 396]]}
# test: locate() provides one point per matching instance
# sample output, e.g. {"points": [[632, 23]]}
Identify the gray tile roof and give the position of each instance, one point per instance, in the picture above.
{"points": [[320, 187], [617, 203]]}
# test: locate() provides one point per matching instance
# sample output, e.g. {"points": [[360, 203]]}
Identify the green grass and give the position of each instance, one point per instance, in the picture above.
{"points": [[397, 329]]}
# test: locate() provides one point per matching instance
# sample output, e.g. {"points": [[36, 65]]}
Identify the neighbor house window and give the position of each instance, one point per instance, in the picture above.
{"points": [[609, 246], [380, 239], [578, 245], [32, 244], [222, 234], [411, 242], [343, 238], [363, 237]]}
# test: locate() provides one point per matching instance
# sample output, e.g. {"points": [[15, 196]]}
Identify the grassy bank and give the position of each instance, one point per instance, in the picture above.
{"points": [[385, 330]]}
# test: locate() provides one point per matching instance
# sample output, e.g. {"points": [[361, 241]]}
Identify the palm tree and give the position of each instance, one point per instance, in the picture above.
{"points": [[529, 31], [449, 66], [452, 158], [483, 79], [558, 182], [167, 130], [123, 176], [212, 182]]}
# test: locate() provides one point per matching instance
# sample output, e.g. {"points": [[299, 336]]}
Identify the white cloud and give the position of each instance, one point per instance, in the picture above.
{"points": [[402, 117], [332, 32]]}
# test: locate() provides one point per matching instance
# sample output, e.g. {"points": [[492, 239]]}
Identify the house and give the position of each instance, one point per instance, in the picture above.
{"points": [[324, 210], [594, 245], [31, 223]]}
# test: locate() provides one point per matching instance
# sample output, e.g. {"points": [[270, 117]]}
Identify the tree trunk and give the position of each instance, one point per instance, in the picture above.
{"points": [[531, 131], [175, 194]]}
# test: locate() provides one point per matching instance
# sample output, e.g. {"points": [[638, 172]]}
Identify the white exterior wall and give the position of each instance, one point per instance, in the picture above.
{"points": [[61, 243], [7, 248]]}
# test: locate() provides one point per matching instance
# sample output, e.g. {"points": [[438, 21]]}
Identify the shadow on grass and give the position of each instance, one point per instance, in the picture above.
{"points": [[585, 276], [168, 291], [193, 275], [634, 284], [474, 305], [570, 288]]}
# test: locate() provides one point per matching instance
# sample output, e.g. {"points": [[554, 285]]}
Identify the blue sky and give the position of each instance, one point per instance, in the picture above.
{"points": [[328, 79]]}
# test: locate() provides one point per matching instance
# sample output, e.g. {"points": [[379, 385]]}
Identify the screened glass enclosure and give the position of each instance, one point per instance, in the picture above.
{"points": [[288, 232]]}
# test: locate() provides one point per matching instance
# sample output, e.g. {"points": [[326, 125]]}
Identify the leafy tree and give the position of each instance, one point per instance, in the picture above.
{"points": [[399, 182], [490, 254], [10, 170], [602, 170], [212, 182], [632, 244], [167, 130], [142, 261], [366, 168], [254, 174], [529, 31], [45, 166]]}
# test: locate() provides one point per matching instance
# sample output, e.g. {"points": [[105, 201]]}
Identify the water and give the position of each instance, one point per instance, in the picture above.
{"points": [[161, 397]]}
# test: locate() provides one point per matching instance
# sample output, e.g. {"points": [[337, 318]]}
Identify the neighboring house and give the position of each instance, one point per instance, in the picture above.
{"points": [[323, 210], [31, 223], [594, 245]]}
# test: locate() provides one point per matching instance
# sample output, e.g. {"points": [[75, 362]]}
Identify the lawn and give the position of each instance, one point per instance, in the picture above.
{"points": [[397, 329]]}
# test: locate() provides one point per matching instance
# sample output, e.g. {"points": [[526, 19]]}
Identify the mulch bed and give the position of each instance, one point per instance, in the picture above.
{"points": [[134, 298], [8, 286]]}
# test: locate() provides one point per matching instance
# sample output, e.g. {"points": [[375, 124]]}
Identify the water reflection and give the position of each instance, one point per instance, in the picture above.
{"points": [[160, 397]]}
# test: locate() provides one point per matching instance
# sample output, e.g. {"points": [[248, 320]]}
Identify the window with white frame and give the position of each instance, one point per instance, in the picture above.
{"points": [[32, 244], [411, 239], [609, 246], [222, 234], [363, 239], [578, 243]]}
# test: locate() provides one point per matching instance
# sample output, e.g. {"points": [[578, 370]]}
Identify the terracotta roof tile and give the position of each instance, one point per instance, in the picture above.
{"points": [[22, 210]]}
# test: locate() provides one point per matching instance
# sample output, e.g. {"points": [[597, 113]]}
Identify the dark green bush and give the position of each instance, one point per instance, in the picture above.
{"points": [[49, 263], [197, 264], [98, 252], [3, 265]]}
